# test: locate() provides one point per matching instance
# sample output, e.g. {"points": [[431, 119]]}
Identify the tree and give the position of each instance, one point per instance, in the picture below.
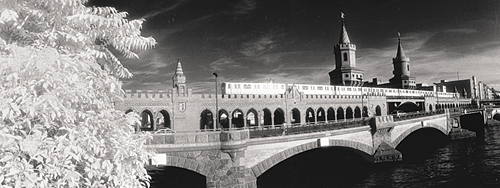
{"points": [[59, 77]]}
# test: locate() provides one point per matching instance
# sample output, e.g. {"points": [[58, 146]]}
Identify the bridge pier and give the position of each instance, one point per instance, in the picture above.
{"points": [[381, 127]]}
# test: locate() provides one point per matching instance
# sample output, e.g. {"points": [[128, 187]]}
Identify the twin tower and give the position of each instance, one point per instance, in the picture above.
{"points": [[347, 74]]}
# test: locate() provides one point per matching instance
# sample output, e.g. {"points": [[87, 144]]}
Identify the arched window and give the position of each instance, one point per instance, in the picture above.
{"points": [[408, 66], [345, 56]]}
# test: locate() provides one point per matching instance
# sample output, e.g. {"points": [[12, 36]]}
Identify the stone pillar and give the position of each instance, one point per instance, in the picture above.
{"points": [[230, 119], [272, 120], [229, 171], [381, 127]]}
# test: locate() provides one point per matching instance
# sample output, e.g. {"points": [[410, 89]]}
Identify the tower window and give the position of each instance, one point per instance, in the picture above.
{"points": [[345, 56], [408, 66]]}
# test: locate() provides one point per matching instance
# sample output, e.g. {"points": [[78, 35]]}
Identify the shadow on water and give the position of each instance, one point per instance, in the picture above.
{"points": [[173, 177]]}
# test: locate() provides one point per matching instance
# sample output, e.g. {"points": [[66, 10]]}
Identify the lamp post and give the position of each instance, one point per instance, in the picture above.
{"points": [[216, 103]]}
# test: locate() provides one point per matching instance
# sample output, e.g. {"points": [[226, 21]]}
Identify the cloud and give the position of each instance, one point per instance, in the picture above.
{"points": [[244, 7], [258, 46], [225, 63], [166, 9]]}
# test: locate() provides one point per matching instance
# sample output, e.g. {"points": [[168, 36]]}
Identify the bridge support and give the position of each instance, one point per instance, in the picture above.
{"points": [[381, 127]]}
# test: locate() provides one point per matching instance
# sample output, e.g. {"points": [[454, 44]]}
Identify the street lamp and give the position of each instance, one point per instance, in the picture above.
{"points": [[216, 103]]}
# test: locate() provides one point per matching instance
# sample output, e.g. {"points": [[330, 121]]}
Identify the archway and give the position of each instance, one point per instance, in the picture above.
{"points": [[128, 111], [365, 111], [252, 118], [430, 107], [295, 116], [340, 113], [321, 115], [408, 107], [310, 118], [357, 112], [238, 119], [223, 119], [331, 114], [378, 111], [147, 121], [163, 120], [349, 113], [206, 120], [267, 117], [279, 116]]}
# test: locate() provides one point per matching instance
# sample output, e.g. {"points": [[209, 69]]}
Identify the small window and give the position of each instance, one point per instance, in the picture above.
{"points": [[345, 56], [347, 75], [305, 88]]}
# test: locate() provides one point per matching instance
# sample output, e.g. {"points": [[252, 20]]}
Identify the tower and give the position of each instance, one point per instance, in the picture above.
{"points": [[402, 78], [179, 79], [345, 72]]}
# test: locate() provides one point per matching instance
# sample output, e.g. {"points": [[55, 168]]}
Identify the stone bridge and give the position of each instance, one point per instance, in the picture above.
{"points": [[232, 159]]}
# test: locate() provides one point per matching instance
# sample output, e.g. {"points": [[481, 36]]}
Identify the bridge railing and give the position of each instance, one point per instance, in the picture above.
{"points": [[281, 130], [412, 115]]}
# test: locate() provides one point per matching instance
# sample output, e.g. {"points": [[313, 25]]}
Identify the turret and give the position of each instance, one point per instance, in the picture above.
{"points": [[179, 80], [401, 63], [345, 72]]}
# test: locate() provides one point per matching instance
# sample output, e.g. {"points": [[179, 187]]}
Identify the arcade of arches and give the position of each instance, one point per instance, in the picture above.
{"points": [[238, 118], [253, 117]]}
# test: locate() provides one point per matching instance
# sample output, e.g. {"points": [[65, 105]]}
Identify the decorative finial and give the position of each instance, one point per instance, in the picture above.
{"points": [[342, 16], [399, 36]]}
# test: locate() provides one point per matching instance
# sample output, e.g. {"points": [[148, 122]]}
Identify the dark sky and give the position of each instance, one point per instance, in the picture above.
{"points": [[291, 41]]}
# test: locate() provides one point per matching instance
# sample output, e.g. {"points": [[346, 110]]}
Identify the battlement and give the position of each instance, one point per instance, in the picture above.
{"points": [[153, 94], [347, 46]]}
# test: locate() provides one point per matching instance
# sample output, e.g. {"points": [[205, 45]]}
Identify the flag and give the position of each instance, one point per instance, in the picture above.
{"points": [[342, 15], [399, 35]]}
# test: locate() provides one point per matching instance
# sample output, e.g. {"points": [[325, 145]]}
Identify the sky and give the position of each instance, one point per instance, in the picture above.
{"points": [[291, 41]]}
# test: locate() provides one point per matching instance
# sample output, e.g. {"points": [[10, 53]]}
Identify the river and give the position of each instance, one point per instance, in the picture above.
{"points": [[436, 162]]}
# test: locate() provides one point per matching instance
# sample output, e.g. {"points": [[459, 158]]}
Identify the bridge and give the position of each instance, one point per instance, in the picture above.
{"points": [[237, 157]]}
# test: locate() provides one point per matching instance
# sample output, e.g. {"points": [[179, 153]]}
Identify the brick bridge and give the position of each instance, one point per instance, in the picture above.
{"points": [[236, 158]]}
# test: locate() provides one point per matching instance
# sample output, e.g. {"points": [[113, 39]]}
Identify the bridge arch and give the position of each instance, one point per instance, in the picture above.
{"points": [[320, 115], [408, 107], [310, 115], [407, 132], [223, 118], [206, 120], [349, 114], [238, 118], [378, 111], [267, 117], [357, 112], [252, 117], [268, 163], [295, 116], [330, 114], [279, 116], [147, 119], [340, 113], [163, 119], [188, 165], [129, 110], [365, 111]]}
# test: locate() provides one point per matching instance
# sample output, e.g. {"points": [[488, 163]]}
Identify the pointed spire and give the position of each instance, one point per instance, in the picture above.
{"points": [[344, 38], [400, 54], [178, 71]]}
